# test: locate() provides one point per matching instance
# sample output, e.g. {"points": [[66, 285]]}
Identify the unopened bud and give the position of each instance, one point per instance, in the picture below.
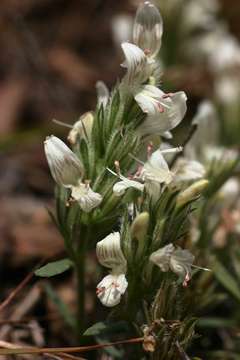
{"points": [[139, 226], [148, 29], [65, 167], [82, 128], [191, 192]]}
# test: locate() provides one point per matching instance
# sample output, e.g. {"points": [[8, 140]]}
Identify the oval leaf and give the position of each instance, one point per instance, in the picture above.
{"points": [[54, 268]]}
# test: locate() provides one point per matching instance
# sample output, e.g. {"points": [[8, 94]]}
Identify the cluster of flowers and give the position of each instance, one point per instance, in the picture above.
{"points": [[163, 112]]}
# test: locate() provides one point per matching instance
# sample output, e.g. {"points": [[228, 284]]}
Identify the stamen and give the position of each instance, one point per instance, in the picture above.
{"points": [[62, 123], [160, 107], [138, 172], [100, 290], [117, 167], [70, 201], [147, 52], [172, 150], [200, 268], [149, 149], [186, 280]]}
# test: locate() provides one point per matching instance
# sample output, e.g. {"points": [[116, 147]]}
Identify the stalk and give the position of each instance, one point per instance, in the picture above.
{"points": [[80, 266]]}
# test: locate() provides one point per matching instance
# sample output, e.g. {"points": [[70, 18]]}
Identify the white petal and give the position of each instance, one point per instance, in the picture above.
{"points": [[188, 170], [86, 197], [181, 262], [148, 28], [109, 252], [82, 128], [156, 169], [231, 189], [111, 288], [138, 69], [163, 113], [121, 28], [207, 133], [162, 256], [102, 93], [120, 187], [167, 135], [65, 167]]}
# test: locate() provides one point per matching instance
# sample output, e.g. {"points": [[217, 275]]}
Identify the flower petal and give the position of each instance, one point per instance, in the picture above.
{"points": [[109, 253], [111, 288], [102, 93], [82, 128], [121, 186], [162, 256], [65, 167], [156, 169], [138, 68], [181, 262], [163, 112], [86, 197], [188, 170], [148, 28]]}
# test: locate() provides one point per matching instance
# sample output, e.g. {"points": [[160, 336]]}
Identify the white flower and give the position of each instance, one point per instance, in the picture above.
{"points": [[188, 170], [111, 288], [219, 153], [82, 128], [102, 93], [110, 255], [121, 28], [200, 15], [148, 29], [86, 197], [230, 191], [164, 111], [67, 171], [207, 132], [226, 54], [121, 186], [156, 169], [227, 90], [65, 167], [137, 64], [175, 259]]}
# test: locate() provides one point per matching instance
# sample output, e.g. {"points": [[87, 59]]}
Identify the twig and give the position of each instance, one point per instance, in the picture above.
{"points": [[26, 304], [15, 292], [20, 286], [8, 345], [33, 350]]}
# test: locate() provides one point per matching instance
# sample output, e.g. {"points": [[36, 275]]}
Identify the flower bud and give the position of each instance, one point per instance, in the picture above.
{"points": [[102, 93], [191, 192], [82, 128], [65, 167], [139, 226], [148, 29]]}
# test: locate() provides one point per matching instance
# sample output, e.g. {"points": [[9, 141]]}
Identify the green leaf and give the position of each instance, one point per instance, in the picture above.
{"points": [[54, 268], [226, 279], [61, 307], [95, 329], [106, 327], [214, 322]]}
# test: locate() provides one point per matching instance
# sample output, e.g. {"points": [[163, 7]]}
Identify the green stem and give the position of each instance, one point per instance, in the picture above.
{"points": [[80, 266], [80, 274]]}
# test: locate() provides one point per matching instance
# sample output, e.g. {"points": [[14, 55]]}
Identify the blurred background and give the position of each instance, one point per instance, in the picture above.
{"points": [[52, 54]]}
